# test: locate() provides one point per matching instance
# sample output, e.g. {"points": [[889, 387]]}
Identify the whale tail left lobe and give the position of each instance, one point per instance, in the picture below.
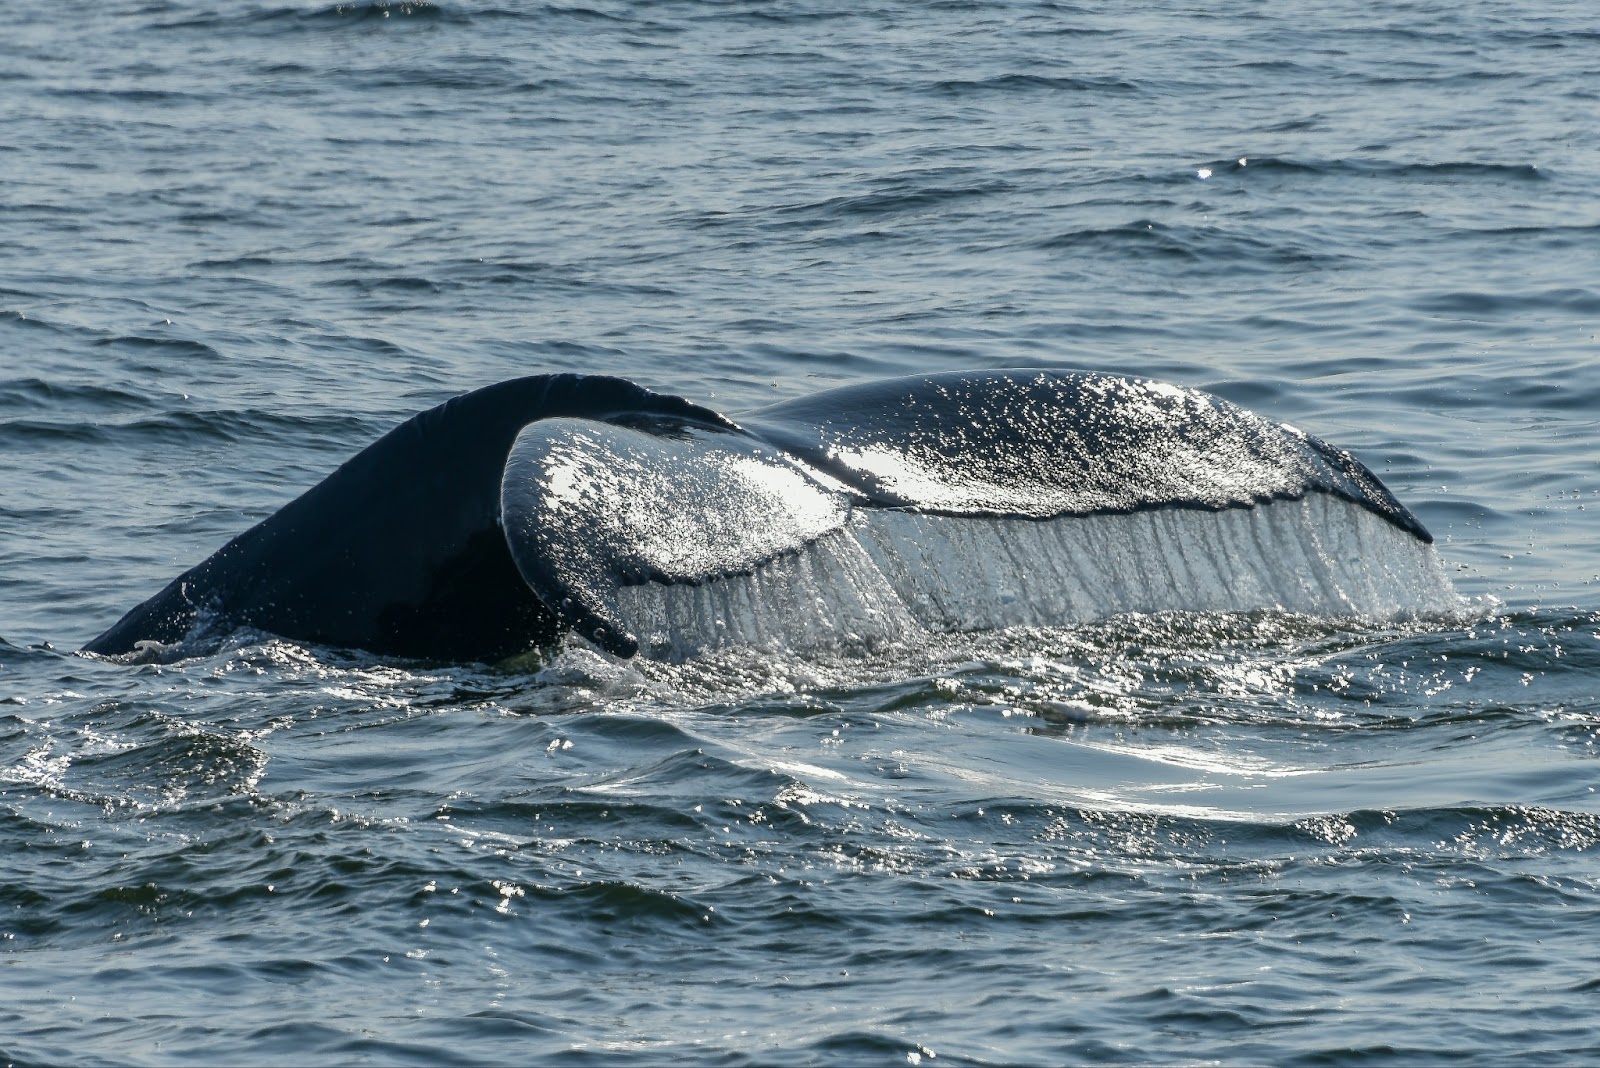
{"points": [[399, 551]]}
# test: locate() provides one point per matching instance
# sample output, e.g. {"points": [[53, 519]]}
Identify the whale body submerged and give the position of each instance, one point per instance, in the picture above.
{"points": [[504, 518]]}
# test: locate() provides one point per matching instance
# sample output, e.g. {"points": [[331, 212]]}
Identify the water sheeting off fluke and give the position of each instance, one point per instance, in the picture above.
{"points": [[891, 575], [590, 507]]}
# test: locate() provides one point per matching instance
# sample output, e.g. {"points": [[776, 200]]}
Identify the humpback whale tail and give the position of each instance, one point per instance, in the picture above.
{"points": [[497, 521]]}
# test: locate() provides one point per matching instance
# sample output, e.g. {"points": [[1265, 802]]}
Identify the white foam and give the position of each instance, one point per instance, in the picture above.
{"points": [[892, 575]]}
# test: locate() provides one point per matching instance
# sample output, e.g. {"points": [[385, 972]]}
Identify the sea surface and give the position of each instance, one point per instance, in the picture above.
{"points": [[241, 240]]}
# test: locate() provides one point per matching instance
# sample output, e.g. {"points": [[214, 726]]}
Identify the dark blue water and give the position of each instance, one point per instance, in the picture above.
{"points": [[239, 241]]}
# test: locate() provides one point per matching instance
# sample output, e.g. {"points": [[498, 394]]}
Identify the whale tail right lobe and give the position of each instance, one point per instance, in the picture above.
{"points": [[951, 501]]}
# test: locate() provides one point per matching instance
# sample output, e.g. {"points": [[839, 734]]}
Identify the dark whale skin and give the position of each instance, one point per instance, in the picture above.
{"points": [[398, 551]]}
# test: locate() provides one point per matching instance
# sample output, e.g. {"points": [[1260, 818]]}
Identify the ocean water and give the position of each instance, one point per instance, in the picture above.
{"points": [[239, 241]]}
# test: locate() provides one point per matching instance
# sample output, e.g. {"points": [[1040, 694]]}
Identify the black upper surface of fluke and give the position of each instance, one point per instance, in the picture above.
{"points": [[493, 523], [1038, 444]]}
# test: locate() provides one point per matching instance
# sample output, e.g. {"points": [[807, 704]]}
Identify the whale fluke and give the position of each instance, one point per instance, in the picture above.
{"points": [[497, 521]]}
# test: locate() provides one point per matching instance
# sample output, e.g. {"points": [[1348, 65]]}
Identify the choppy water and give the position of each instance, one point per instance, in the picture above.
{"points": [[239, 241]]}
